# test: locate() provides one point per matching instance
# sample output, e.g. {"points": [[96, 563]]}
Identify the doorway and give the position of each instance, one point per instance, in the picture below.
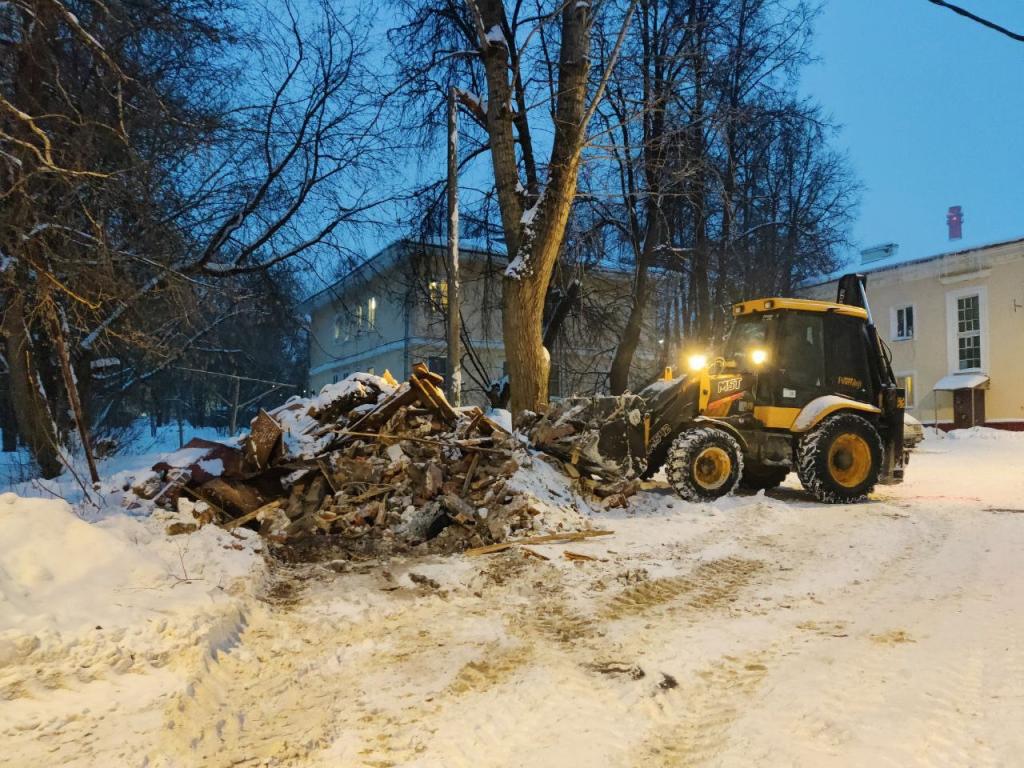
{"points": [[968, 408]]}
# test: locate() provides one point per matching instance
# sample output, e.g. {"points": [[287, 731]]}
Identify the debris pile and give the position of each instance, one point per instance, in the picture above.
{"points": [[369, 466], [599, 437]]}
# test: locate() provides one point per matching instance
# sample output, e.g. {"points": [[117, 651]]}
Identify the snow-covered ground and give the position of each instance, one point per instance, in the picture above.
{"points": [[757, 631]]}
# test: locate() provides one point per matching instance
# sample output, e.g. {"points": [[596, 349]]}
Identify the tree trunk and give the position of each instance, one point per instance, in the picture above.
{"points": [[528, 359], [618, 379], [535, 238], [71, 388], [35, 420]]}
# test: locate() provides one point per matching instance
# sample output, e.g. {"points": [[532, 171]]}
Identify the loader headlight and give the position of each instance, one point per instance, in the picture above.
{"points": [[758, 356], [697, 362]]}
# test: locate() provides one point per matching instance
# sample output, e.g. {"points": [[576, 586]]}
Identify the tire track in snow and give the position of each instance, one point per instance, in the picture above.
{"points": [[690, 723]]}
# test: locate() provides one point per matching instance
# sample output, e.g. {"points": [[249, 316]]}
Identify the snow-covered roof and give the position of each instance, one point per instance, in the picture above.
{"points": [[955, 381], [897, 261], [393, 253]]}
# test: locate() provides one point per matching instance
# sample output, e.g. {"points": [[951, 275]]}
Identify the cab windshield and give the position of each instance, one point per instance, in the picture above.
{"points": [[748, 332]]}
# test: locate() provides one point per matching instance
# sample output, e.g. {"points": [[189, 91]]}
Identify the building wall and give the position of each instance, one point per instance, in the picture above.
{"points": [[347, 335], [996, 275], [407, 328]]}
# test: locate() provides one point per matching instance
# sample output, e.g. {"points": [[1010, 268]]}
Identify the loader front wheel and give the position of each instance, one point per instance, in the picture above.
{"points": [[840, 460], [704, 464]]}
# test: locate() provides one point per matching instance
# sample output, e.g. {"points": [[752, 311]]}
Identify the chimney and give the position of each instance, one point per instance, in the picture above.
{"points": [[878, 253], [955, 222]]}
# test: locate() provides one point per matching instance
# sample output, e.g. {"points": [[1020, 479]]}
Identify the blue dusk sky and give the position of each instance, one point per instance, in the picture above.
{"points": [[932, 112]]}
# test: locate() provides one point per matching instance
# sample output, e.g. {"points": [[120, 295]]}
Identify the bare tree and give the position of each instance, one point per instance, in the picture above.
{"points": [[534, 199], [141, 197]]}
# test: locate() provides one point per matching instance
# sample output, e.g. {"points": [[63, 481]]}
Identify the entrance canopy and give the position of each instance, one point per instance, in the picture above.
{"points": [[955, 381]]}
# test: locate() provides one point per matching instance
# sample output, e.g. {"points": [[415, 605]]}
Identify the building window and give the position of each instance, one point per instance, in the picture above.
{"points": [[438, 294], [371, 313], [339, 327], [439, 365], [968, 331], [903, 323], [906, 380]]}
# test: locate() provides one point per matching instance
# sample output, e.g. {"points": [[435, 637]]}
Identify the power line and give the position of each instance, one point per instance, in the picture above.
{"points": [[233, 376], [973, 17]]}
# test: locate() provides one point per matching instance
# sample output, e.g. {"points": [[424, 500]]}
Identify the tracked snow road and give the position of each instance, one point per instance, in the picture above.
{"points": [[752, 632]]}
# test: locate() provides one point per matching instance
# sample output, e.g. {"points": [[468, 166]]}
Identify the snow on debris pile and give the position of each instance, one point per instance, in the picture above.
{"points": [[115, 595], [368, 467], [600, 437], [301, 418]]}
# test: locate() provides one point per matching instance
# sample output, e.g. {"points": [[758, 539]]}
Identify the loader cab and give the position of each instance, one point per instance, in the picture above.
{"points": [[799, 350]]}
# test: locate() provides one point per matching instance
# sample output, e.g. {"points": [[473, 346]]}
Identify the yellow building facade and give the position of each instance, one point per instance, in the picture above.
{"points": [[955, 325]]}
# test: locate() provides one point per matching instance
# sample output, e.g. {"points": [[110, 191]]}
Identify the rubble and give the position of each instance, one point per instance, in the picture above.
{"points": [[594, 437], [369, 466]]}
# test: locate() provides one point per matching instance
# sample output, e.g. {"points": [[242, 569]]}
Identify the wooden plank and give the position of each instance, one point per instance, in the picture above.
{"points": [[421, 371], [431, 397], [532, 553], [248, 517], [556, 537], [264, 437], [550, 538], [574, 556], [469, 473], [385, 410], [489, 549], [385, 437]]}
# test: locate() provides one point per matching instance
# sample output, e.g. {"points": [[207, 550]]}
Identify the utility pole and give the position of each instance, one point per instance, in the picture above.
{"points": [[454, 305]]}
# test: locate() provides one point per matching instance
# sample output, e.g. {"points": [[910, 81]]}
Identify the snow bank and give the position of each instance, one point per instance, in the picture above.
{"points": [[111, 594], [984, 433]]}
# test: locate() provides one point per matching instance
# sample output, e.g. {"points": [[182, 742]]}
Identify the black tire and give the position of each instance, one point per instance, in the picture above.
{"points": [[704, 464], [761, 478], [839, 462]]}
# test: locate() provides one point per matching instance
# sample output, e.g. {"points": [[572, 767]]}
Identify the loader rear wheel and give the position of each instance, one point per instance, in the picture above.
{"points": [[840, 460], [759, 478], [704, 464]]}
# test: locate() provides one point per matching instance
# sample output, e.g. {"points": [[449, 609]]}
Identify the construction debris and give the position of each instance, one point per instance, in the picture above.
{"points": [[593, 436], [547, 539], [370, 465]]}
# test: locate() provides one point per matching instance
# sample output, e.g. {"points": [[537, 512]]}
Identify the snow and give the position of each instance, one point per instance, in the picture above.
{"points": [[502, 417], [212, 467], [93, 615], [814, 409], [955, 381], [295, 415], [185, 457], [495, 36], [755, 630]]}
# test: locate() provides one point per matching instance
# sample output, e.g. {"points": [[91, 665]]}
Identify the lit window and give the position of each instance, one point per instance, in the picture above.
{"points": [[906, 380], [439, 295], [339, 327], [357, 320], [968, 332], [903, 323], [371, 312]]}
